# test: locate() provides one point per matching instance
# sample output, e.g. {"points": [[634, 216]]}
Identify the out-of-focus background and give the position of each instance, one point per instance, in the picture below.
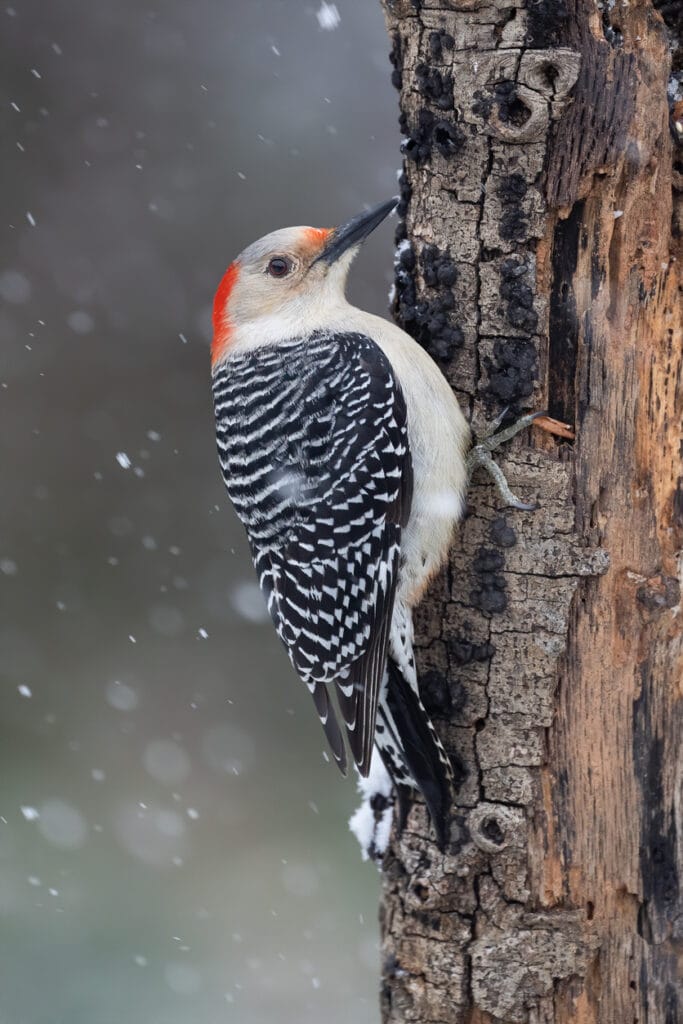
{"points": [[173, 843]]}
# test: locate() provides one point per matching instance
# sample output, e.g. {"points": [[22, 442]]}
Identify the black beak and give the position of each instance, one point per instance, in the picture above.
{"points": [[355, 230]]}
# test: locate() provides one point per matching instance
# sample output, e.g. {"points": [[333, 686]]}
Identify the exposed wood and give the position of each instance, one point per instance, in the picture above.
{"points": [[540, 262]]}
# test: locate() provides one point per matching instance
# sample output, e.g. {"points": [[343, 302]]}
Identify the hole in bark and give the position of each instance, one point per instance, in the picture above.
{"points": [[492, 831], [518, 112], [590, 910], [550, 74]]}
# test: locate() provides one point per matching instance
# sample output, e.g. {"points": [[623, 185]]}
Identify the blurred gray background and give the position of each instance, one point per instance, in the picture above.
{"points": [[173, 844]]}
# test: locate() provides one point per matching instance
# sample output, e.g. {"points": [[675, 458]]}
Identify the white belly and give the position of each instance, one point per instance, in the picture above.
{"points": [[439, 439]]}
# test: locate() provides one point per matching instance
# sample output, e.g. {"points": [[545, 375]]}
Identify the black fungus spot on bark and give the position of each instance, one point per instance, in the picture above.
{"points": [[512, 370], [462, 651], [512, 187], [436, 693], [488, 592], [417, 145], [395, 57], [483, 105], [517, 294], [438, 268], [491, 830], [502, 534], [514, 224], [428, 319], [658, 841], [436, 86], [546, 22], [448, 138], [430, 132], [405, 194], [438, 42]]}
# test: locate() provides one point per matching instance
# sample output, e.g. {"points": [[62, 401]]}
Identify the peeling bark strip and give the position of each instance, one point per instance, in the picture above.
{"points": [[539, 261]]}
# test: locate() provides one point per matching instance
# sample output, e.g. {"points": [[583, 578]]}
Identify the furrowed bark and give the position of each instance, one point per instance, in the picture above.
{"points": [[539, 261]]}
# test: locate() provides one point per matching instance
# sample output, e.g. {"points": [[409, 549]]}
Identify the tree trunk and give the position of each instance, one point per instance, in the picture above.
{"points": [[538, 263]]}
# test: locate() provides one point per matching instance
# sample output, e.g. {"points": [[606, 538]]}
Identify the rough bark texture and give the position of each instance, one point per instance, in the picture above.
{"points": [[537, 262]]}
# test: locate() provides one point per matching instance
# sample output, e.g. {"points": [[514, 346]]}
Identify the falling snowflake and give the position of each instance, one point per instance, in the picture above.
{"points": [[328, 16]]}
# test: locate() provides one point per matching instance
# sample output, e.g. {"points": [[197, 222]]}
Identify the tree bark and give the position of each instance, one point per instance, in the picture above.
{"points": [[539, 261]]}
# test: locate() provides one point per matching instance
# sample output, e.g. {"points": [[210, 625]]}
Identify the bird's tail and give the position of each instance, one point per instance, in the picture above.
{"points": [[412, 752]]}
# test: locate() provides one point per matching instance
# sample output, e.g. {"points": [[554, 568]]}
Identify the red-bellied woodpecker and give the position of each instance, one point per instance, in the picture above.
{"points": [[346, 457]]}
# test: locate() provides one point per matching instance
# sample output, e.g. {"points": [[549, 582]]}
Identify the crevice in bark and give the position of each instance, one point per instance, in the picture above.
{"points": [[563, 327]]}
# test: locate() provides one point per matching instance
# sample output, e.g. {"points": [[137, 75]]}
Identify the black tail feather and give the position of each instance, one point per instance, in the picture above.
{"points": [[421, 752], [403, 804]]}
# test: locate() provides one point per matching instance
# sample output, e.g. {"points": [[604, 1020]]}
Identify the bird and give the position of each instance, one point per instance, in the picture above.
{"points": [[346, 457]]}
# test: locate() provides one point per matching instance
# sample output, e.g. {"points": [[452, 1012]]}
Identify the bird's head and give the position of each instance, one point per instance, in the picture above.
{"points": [[293, 276]]}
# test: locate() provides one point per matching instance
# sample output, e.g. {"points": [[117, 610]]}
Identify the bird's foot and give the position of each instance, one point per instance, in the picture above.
{"points": [[480, 455]]}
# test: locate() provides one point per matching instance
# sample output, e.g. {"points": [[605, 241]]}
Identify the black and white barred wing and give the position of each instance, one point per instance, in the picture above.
{"points": [[324, 512]]}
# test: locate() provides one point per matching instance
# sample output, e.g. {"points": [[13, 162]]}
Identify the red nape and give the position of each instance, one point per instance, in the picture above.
{"points": [[221, 321]]}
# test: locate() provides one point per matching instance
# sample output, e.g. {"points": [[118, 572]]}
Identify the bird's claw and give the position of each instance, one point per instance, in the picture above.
{"points": [[480, 455]]}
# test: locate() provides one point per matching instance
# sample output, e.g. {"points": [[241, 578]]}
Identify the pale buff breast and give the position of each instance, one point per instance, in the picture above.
{"points": [[439, 439]]}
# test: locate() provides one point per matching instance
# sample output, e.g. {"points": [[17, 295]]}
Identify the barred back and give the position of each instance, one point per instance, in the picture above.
{"points": [[313, 445]]}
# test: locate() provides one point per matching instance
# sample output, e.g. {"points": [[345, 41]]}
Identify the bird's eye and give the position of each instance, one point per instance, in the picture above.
{"points": [[279, 266]]}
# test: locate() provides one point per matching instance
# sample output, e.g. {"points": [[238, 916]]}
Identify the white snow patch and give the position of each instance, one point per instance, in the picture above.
{"points": [[328, 16], [371, 828]]}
